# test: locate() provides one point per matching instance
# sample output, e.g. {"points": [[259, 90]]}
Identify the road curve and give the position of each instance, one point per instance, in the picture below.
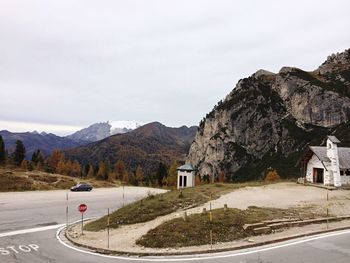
{"points": [[41, 213]]}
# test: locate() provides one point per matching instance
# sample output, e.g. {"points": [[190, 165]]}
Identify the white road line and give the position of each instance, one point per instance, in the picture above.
{"points": [[31, 230], [204, 256]]}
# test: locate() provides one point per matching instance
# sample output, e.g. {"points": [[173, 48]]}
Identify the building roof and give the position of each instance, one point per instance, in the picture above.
{"points": [[321, 153], [343, 154], [333, 139], [186, 167]]}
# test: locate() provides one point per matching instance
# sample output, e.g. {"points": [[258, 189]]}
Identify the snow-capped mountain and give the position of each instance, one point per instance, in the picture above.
{"points": [[123, 126], [99, 131]]}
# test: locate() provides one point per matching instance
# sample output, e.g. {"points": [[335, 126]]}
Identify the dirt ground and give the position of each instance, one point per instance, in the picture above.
{"points": [[280, 195]]}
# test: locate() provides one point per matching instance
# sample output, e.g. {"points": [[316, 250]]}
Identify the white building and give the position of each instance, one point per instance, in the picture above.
{"points": [[329, 165], [185, 176]]}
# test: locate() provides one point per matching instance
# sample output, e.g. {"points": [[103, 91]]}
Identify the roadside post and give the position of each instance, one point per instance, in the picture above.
{"points": [[210, 223], [108, 228], [327, 204], [82, 209], [210, 203], [211, 229], [123, 193], [67, 210]]}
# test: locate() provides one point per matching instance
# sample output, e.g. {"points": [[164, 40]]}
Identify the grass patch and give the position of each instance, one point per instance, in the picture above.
{"points": [[14, 179], [154, 206], [10, 181], [227, 226]]}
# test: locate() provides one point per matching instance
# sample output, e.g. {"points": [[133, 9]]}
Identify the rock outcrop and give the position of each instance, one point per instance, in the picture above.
{"points": [[268, 119]]}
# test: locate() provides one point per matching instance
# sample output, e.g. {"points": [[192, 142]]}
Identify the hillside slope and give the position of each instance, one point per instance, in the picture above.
{"points": [[145, 146], [268, 120]]}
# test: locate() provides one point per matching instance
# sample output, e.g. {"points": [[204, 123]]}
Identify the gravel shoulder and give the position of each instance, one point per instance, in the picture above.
{"points": [[280, 195]]}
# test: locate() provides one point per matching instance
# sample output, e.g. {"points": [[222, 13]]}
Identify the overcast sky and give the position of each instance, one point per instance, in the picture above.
{"points": [[66, 64]]}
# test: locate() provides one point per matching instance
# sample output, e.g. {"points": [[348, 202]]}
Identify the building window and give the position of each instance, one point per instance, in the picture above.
{"points": [[180, 181], [347, 172], [341, 172]]}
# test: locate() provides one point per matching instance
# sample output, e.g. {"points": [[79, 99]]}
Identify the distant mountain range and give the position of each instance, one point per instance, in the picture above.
{"points": [[146, 146], [32, 141], [124, 140]]}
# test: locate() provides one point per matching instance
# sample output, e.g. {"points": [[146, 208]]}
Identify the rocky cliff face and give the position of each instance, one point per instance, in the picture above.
{"points": [[268, 119]]}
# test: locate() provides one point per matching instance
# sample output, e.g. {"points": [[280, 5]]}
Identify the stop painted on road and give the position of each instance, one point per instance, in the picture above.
{"points": [[6, 251]]}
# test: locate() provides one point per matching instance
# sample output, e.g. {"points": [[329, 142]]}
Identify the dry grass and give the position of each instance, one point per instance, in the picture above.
{"points": [[154, 206], [19, 180], [227, 226]]}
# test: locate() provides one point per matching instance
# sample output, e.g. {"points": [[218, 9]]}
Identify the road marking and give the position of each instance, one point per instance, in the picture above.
{"points": [[31, 230], [6, 251], [203, 256]]}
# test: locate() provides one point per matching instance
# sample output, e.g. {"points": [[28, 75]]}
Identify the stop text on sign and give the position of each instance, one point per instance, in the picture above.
{"points": [[6, 251], [82, 208]]}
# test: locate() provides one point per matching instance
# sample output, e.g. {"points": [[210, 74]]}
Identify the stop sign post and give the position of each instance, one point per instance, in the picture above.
{"points": [[82, 209]]}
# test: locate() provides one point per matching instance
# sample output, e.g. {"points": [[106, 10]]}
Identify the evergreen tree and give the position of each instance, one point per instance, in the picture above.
{"points": [[2, 151], [20, 153], [38, 159], [161, 173], [30, 166], [34, 159], [108, 170]]}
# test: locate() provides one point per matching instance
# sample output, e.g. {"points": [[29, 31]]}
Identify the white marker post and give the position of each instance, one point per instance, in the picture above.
{"points": [[123, 194], [108, 228], [67, 210]]}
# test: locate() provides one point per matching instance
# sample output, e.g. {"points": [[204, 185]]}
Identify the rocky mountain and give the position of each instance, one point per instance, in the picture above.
{"points": [[32, 141], [99, 131], [268, 119], [145, 146]]}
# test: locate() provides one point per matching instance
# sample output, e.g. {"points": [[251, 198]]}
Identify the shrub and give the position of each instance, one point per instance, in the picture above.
{"points": [[271, 175]]}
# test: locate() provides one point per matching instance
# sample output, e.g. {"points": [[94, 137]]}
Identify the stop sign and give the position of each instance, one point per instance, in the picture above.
{"points": [[82, 208]]}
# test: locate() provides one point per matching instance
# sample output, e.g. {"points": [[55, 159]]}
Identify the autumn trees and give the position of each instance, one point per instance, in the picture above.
{"points": [[126, 171]]}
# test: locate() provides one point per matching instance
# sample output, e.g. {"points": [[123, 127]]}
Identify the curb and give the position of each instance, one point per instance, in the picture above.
{"points": [[246, 246]]}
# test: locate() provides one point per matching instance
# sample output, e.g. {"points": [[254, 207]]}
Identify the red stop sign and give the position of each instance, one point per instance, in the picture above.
{"points": [[82, 208]]}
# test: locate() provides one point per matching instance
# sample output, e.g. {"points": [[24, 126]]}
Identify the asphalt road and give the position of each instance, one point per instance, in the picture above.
{"points": [[21, 211]]}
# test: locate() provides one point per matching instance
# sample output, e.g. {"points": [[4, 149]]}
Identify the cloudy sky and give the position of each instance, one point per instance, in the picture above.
{"points": [[65, 64]]}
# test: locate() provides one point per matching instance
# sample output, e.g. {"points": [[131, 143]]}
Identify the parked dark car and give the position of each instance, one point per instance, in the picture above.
{"points": [[81, 187]]}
